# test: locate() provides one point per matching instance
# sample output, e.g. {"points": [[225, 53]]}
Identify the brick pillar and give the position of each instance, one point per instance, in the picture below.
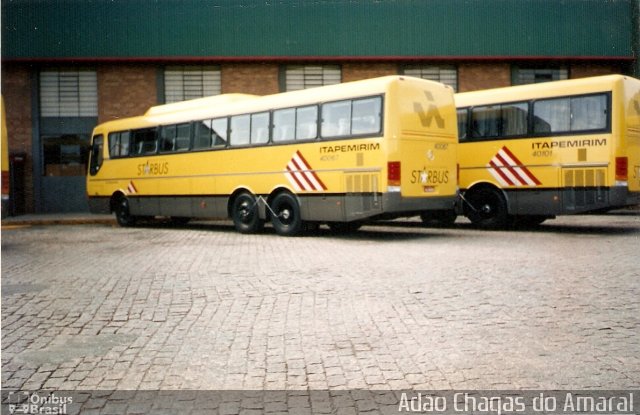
{"points": [[250, 78], [16, 91], [125, 90]]}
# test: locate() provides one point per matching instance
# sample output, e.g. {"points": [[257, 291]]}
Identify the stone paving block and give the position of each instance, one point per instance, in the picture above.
{"points": [[390, 307]]}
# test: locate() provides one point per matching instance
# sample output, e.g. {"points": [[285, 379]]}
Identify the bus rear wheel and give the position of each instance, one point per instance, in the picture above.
{"points": [[487, 208], [245, 214], [286, 218], [123, 215]]}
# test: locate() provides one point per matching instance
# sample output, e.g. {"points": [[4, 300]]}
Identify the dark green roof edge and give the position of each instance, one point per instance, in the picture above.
{"points": [[145, 29]]}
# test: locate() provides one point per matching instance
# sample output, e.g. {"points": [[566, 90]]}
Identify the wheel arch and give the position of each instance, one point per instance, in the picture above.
{"points": [[281, 189]]}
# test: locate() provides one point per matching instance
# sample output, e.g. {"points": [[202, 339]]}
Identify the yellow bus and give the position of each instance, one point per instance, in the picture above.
{"points": [[340, 155], [528, 153], [4, 148]]}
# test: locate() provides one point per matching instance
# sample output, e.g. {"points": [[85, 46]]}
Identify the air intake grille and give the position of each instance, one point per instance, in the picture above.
{"points": [[584, 188]]}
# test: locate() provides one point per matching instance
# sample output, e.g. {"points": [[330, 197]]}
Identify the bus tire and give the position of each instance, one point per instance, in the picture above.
{"points": [[245, 214], [488, 208], [286, 218], [123, 214]]}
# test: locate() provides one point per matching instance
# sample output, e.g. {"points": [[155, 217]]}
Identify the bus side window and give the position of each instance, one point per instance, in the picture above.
{"points": [[589, 113], [202, 137], [260, 128], [183, 137], [119, 144], [167, 138], [240, 130], [307, 123], [485, 121], [462, 124], [219, 130], [144, 141], [366, 116], [336, 119], [515, 118], [551, 115], [96, 155], [283, 125]]}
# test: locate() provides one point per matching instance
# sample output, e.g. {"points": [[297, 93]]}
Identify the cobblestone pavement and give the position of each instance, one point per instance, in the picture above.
{"points": [[397, 306]]}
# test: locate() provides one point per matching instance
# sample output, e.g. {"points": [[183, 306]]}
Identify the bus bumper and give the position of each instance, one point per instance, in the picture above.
{"points": [[411, 206]]}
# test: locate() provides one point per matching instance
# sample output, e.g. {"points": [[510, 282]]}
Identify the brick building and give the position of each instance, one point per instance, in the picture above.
{"points": [[67, 65]]}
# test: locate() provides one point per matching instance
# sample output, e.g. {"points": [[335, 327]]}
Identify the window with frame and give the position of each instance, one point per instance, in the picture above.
{"points": [[69, 93], [175, 137], [119, 144], [445, 74], [295, 124], [499, 120], [210, 134], [462, 115], [522, 76], [571, 114], [240, 134], [144, 141], [190, 82], [351, 117], [96, 157], [297, 77]]}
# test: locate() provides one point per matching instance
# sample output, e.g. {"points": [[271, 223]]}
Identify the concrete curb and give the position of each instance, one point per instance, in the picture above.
{"points": [[40, 220]]}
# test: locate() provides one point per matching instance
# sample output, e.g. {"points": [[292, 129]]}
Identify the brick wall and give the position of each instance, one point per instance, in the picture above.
{"points": [[585, 70], [16, 91], [125, 90], [472, 77], [250, 78], [358, 71]]}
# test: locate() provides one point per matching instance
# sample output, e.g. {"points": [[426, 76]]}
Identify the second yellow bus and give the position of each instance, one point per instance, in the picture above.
{"points": [[529, 153]]}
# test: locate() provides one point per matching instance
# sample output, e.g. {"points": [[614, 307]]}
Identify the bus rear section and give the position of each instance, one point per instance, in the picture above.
{"points": [[529, 153], [627, 154], [421, 171]]}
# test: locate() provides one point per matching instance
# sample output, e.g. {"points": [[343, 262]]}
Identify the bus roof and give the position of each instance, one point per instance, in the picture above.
{"points": [[540, 90], [232, 104], [198, 103]]}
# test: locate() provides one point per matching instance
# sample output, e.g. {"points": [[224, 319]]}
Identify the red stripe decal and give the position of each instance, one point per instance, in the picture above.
{"points": [[510, 168], [498, 170], [522, 166], [293, 176], [315, 175]]}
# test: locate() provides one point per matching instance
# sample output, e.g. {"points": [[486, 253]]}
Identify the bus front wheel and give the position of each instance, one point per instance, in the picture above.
{"points": [[123, 215], [487, 208], [286, 218], [245, 214]]}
